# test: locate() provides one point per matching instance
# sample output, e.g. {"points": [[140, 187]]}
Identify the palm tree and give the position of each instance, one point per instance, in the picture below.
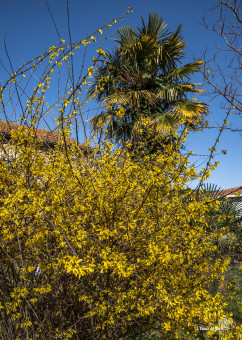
{"points": [[231, 212], [143, 81]]}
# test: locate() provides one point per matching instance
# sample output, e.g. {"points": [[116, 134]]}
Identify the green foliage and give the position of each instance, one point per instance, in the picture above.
{"points": [[228, 220], [233, 292]]}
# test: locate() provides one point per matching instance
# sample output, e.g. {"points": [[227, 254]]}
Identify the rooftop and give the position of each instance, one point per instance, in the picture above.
{"points": [[231, 192], [50, 138]]}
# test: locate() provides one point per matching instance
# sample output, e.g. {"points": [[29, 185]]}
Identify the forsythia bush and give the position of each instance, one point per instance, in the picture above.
{"points": [[99, 243], [104, 246]]}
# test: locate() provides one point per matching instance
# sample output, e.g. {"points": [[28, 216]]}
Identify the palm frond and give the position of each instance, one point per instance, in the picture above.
{"points": [[127, 37], [117, 98], [189, 109], [163, 122], [168, 92], [171, 50], [99, 121], [156, 27], [186, 70], [140, 51], [211, 190], [171, 91], [133, 98]]}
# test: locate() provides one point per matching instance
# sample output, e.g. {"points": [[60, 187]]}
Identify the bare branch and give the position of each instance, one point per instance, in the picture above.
{"points": [[221, 72]]}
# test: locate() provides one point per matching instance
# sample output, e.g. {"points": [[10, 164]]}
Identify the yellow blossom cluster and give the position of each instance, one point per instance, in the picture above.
{"points": [[100, 243]]}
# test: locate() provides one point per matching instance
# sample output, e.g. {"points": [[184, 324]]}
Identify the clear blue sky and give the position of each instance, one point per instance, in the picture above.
{"points": [[30, 31]]}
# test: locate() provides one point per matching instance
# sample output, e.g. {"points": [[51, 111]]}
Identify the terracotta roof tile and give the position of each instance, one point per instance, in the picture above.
{"points": [[41, 134], [231, 191]]}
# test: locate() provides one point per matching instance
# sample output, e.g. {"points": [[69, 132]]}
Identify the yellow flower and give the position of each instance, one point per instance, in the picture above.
{"points": [[85, 42], [52, 48], [101, 52], [90, 70]]}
